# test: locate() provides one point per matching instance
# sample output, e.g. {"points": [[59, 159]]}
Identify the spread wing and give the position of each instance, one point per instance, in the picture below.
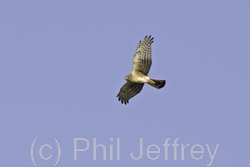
{"points": [[142, 59], [129, 90]]}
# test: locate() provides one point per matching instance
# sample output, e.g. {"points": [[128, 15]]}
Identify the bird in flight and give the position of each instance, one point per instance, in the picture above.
{"points": [[141, 65]]}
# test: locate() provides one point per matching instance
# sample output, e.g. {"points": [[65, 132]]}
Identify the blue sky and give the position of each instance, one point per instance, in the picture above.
{"points": [[62, 64]]}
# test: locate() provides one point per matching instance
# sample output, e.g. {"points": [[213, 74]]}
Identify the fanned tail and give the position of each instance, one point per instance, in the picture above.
{"points": [[157, 83]]}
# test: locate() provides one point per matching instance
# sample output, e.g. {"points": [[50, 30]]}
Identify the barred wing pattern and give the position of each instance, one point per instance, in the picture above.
{"points": [[129, 90], [142, 59]]}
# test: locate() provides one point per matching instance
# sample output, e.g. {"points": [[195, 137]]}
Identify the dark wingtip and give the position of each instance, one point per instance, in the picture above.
{"points": [[149, 38], [122, 100], [125, 102]]}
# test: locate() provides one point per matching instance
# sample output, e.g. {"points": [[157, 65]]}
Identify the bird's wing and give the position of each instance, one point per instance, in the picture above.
{"points": [[142, 59], [129, 90]]}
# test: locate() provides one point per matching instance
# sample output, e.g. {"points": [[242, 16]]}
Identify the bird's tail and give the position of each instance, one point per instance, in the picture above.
{"points": [[157, 83]]}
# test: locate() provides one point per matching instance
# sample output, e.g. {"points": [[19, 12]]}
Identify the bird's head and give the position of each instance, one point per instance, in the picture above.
{"points": [[127, 77]]}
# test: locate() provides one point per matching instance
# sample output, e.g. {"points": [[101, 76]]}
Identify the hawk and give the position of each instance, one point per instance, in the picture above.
{"points": [[141, 65]]}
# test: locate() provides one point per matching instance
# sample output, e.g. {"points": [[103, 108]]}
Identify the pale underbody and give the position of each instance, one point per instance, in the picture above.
{"points": [[139, 78]]}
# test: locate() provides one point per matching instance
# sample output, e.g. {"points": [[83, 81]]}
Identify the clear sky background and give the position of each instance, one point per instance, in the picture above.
{"points": [[62, 64]]}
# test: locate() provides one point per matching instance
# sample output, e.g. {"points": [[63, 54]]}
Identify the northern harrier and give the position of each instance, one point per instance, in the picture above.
{"points": [[141, 65]]}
